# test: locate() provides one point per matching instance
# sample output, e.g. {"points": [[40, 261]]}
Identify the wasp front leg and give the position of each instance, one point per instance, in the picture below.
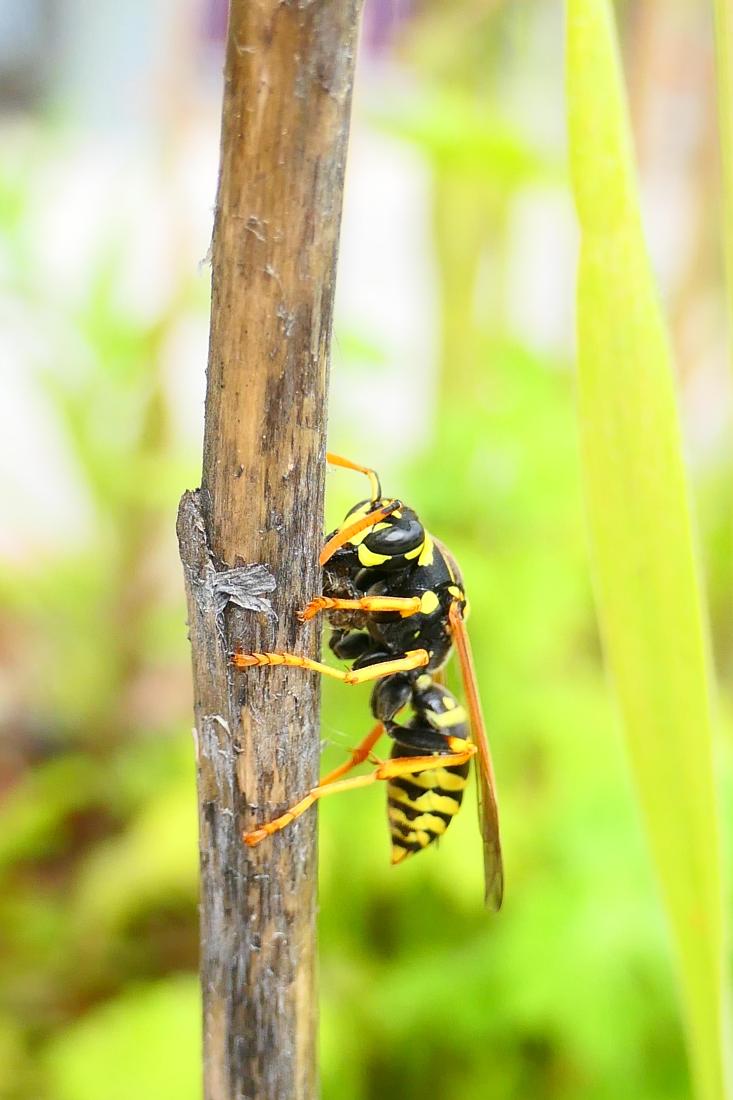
{"points": [[404, 605], [414, 658]]}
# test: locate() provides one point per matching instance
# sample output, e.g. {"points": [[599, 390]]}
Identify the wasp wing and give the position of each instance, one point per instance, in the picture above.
{"points": [[488, 808]]}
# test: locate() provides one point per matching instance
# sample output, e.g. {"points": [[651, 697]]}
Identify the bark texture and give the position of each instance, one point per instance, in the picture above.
{"points": [[288, 80]]}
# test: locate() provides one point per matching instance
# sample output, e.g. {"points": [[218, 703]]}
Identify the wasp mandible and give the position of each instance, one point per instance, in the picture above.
{"points": [[394, 598]]}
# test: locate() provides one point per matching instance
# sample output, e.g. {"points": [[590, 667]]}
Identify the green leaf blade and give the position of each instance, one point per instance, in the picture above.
{"points": [[647, 582]]}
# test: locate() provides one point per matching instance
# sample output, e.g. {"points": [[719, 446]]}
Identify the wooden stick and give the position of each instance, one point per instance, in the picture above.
{"points": [[287, 93]]}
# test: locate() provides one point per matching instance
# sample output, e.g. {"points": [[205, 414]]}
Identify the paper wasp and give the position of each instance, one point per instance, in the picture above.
{"points": [[394, 598]]}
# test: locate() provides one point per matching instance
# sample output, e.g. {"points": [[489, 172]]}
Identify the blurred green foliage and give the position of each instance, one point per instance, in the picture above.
{"points": [[570, 991], [641, 535]]}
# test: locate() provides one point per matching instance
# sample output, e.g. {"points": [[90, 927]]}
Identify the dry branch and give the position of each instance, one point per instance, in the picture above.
{"points": [[288, 79]]}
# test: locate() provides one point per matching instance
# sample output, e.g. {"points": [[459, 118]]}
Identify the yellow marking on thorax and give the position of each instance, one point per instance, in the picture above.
{"points": [[423, 552], [429, 603], [426, 553], [450, 718]]}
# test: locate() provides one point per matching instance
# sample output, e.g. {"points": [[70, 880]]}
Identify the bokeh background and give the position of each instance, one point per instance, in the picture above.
{"points": [[452, 373]]}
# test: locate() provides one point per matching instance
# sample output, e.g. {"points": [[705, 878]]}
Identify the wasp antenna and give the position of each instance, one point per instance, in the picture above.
{"points": [[347, 464], [346, 533]]}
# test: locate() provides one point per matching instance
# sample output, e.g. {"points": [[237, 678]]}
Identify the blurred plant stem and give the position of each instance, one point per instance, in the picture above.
{"points": [[139, 526], [667, 62], [470, 231], [647, 583], [724, 49]]}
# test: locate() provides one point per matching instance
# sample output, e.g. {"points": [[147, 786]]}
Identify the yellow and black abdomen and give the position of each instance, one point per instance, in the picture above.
{"points": [[421, 806]]}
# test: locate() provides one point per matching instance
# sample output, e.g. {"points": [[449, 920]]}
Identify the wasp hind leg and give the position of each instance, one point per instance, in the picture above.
{"points": [[358, 755], [388, 770]]}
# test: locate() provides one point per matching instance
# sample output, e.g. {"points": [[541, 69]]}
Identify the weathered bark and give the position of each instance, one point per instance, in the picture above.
{"points": [[288, 78]]}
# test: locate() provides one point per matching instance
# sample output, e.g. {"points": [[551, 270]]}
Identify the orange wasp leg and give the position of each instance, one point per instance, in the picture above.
{"points": [[390, 769], [414, 658], [406, 605], [358, 756]]}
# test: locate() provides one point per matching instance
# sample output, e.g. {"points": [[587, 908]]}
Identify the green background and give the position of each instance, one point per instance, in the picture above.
{"points": [[571, 991]]}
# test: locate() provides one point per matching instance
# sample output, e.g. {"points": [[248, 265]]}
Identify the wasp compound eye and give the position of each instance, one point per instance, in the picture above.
{"points": [[397, 537]]}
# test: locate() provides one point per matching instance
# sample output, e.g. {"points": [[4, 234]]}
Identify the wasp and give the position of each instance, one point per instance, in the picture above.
{"points": [[394, 598]]}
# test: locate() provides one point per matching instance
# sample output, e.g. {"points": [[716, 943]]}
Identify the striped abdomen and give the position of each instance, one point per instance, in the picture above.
{"points": [[422, 806]]}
